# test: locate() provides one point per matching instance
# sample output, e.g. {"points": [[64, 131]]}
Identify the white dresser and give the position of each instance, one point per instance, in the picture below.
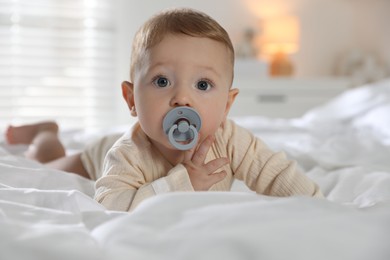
{"points": [[284, 97]]}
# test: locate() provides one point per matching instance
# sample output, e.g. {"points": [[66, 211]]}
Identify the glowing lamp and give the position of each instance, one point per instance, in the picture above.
{"points": [[280, 39]]}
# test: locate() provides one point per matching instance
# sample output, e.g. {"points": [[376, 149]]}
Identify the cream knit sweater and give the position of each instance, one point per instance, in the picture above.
{"points": [[133, 171]]}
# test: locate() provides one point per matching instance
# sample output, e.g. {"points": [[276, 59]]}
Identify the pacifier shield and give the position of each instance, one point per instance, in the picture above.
{"points": [[182, 124]]}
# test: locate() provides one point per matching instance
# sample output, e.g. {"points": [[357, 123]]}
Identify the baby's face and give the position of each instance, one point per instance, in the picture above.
{"points": [[183, 71]]}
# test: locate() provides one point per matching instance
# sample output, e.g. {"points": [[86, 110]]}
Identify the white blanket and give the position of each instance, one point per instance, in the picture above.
{"points": [[344, 146]]}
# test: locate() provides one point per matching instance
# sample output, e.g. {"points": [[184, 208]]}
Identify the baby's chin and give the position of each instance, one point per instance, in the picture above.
{"points": [[164, 143], [171, 147], [167, 145]]}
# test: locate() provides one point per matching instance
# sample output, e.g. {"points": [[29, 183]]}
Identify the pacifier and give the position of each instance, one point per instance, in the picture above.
{"points": [[182, 124]]}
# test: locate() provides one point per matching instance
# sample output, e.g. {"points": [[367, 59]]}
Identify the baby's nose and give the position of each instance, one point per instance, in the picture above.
{"points": [[181, 97]]}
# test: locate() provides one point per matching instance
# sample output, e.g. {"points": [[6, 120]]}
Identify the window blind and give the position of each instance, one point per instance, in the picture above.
{"points": [[57, 62]]}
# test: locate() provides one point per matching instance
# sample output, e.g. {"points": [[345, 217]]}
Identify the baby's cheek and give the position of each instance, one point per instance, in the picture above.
{"points": [[208, 130]]}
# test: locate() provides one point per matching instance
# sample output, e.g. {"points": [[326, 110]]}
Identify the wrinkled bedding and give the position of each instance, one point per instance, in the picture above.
{"points": [[343, 145]]}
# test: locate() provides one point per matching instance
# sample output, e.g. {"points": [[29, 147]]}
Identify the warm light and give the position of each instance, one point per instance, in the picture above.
{"points": [[280, 37], [280, 34]]}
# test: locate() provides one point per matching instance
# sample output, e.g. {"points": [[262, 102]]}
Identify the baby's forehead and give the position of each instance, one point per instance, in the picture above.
{"points": [[174, 38], [185, 48], [177, 42]]}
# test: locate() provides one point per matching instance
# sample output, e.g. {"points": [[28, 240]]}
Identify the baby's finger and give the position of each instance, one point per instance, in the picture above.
{"points": [[188, 154], [218, 176], [214, 165], [200, 155]]}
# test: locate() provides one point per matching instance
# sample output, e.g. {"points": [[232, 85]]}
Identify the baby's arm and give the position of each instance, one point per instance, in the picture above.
{"points": [[120, 192], [124, 184], [263, 170]]}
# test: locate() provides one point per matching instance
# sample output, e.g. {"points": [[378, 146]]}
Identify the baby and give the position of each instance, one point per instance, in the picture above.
{"points": [[184, 58]]}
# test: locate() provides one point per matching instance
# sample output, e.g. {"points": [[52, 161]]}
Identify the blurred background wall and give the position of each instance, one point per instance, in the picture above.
{"points": [[335, 36], [64, 60]]}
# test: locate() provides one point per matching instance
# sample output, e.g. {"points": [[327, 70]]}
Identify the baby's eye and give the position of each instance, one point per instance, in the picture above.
{"points": [[161, 82], [203, 85]]}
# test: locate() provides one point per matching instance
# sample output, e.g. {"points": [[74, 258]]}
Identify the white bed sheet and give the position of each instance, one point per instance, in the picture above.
{"points": [[344, 146]]}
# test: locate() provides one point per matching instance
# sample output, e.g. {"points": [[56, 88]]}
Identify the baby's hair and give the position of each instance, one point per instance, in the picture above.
{"points": [[177, 21]]}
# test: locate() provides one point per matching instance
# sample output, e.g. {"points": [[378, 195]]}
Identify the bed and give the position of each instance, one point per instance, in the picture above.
{"points": [[343, 145]]}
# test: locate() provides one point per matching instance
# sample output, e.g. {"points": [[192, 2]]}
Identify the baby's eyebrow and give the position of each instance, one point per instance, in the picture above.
{"points": [[202, 67]]}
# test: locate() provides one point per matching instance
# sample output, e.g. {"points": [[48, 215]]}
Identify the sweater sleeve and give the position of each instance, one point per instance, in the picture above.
{"points": [[124, 186], [263, 170]]}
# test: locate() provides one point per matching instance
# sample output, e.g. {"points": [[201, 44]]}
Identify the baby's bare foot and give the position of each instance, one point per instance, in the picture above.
{"points": [[25, 134]]}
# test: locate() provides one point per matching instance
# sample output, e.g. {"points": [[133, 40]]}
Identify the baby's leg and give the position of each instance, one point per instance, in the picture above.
{"points": [[70, 163], [46, 147], [25, 134], [44, 144]]}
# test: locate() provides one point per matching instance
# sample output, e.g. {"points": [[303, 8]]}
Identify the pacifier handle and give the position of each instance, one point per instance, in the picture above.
{"points": [[178, 145]]}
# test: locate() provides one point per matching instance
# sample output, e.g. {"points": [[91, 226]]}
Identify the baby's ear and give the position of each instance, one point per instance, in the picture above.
{"points": [[231, 97], [128, 95]]}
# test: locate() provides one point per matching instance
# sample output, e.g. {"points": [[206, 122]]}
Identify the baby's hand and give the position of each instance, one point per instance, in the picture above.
{"points": [[202, 175]]}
